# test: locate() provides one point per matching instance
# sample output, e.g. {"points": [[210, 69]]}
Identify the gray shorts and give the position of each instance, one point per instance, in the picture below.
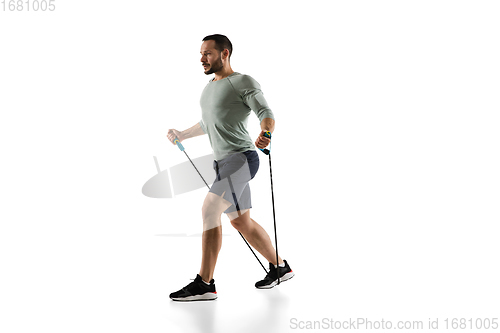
{"points": [[233, 176]]}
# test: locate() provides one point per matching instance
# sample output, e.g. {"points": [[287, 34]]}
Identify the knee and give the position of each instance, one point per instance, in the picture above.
{"points": [[208, 213], [210, 219], [241, 223]]}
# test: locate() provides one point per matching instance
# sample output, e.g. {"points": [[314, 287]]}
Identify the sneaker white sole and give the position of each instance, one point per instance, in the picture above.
{"points": [[204, 297], [284, 278]]}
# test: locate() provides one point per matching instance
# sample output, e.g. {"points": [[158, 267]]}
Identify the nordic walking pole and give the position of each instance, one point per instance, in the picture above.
{"points": [[181, 147], [267, 134]]}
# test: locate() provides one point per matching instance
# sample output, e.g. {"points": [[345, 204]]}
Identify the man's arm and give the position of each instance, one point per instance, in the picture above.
{"points": [[267, 124], [191, 132], [252, 95]]}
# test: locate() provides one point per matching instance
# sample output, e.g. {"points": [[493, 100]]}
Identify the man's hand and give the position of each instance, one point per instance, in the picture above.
{"points": [[262, 142], [186, 134], [172, 134]]}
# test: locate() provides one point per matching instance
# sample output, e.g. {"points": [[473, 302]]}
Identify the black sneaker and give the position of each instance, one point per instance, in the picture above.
{"points": [[271, 278], [196, 291]]}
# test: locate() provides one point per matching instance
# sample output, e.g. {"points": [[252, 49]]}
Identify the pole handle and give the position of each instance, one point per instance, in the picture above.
{"points": [[179, 144], [266, 151]]}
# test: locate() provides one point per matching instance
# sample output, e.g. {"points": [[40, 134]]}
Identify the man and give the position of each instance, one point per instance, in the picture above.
{"points": [[226, 103]]}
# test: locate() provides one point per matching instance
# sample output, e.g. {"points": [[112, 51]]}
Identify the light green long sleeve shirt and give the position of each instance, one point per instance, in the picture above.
{"points": [[225, 106]]}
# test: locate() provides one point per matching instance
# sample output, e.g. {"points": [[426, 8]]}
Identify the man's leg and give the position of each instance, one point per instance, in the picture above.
{"points": [[254, 234], [203, 288], [258, 237], [213, 207]]}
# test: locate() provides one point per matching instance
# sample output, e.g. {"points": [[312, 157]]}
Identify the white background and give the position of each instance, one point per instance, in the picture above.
{"points": [[385, 163]]}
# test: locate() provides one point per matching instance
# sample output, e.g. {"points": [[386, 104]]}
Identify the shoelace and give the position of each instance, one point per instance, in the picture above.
{"points": [[190, 286]]}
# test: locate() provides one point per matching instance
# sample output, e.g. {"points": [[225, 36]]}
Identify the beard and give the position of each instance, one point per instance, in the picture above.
{"points": [[217, 66]]}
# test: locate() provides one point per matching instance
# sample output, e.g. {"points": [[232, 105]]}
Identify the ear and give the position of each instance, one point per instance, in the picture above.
{"points": [[225, 53]]}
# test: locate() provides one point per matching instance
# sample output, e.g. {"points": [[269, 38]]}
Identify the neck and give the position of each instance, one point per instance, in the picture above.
{"points": [[223, 73]]}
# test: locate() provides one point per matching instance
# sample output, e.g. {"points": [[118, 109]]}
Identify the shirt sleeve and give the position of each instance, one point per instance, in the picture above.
{"points": [[202, 125], [252, 96]]}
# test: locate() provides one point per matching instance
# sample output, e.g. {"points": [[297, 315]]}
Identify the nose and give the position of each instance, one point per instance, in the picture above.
{"points": [[203, 58]]}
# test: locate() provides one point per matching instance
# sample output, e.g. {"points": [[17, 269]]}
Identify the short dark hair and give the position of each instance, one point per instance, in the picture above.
{"points": [[221, 43]]}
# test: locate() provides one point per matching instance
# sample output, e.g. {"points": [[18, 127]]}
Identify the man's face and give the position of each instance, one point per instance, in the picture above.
{"points": [[210, 57]]}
